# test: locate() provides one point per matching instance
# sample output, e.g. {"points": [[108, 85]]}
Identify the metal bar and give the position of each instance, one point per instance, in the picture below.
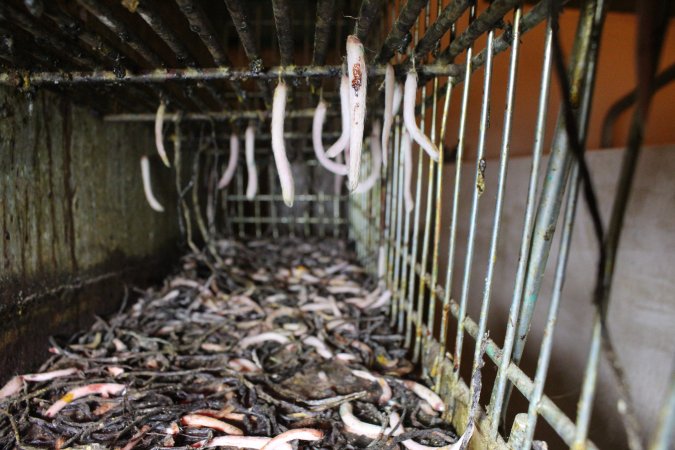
{"points": [[402, 233], [15, 78], [129, 38], [533, 18], [452, 243], [241, 24], [586, 48], [663, 434], [484, 22], [282, 20], [396, 39], [368, 14], [325, 12], [201, 25], [147, 11], [562, 425], [244, 31], [287, 220], [104, 14], [59, 50], [661, 80], [276, 198], [431, 321], [427, 218], [25, 22], [547, 341], [479, 187], [435, 32], [501, 183], [415, 236], [496, 400], [73, 27], [259, 114]]}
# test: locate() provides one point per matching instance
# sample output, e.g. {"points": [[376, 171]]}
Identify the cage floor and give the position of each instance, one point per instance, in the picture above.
{"points": [[272, 339]]}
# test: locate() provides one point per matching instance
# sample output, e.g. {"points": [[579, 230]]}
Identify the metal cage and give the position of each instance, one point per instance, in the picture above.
{"points": [[416, 252]]}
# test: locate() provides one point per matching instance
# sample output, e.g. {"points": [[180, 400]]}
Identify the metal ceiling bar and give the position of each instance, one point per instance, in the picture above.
{"points": [[368, 14], [433, 35], [483, 23], [282, 20], [25, 22], [97, 46], [15, 78], [396, 40], [530, 20], [149, 14], [217, 116], [105, 15], [533, 18], [63, 52], [325, 12], [200, 25], [241, 24]]}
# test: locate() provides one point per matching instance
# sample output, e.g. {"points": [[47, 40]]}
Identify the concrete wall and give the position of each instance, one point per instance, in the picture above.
{"points": [[75, 223], [642, 311]]}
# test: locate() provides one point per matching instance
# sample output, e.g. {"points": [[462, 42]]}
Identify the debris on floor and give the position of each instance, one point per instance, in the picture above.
{"points": [[274, 345]]}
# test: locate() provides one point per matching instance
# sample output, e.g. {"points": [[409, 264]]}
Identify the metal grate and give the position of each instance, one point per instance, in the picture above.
{"points": [[215, 62]]}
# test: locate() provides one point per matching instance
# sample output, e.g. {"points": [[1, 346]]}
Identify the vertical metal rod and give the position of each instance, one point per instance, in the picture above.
{"points": [[501, 183], [427, 218], [663, 434], [321, 209], [583, 70], [240, 203], [431, 322], [584, 58], [393, 224], [282, 19], [336, 213], [479, 187], [389, 280], [549, 329], [585, 403], [452, 242], [416, 227], [273, 205], [399, 249], [497, 397], [258, 216], [405, 309]]}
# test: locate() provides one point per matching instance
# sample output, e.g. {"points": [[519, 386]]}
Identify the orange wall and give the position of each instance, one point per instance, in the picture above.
{"points": [[615, 77]]}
